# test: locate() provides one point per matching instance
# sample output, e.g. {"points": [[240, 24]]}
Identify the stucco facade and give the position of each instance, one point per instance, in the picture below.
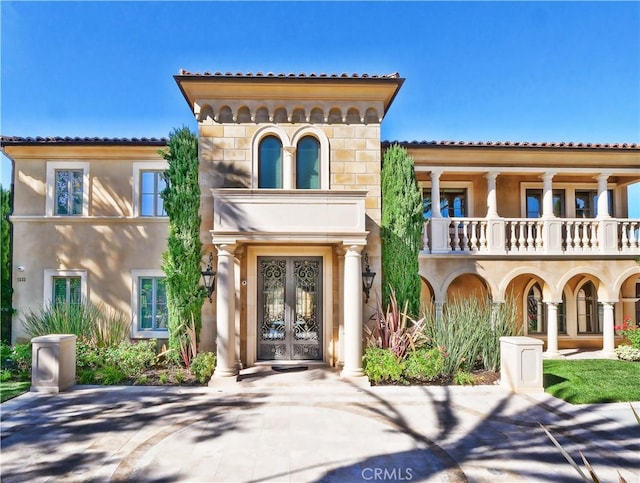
{"points": [[545, 225]]}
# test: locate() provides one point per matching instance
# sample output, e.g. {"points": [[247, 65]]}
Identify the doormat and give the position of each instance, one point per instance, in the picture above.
{"points": [[289, 368]]}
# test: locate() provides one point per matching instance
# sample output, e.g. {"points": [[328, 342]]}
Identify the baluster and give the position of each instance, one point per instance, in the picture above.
{"points": [[483, 235], [595, 226], [425, 235], [474, 235], [585, 236], [465, 236], [576, 235], [513, 240], [456, 236], [539, 235], [521, 239], [634, 235], [530, 246], [623, 236]]}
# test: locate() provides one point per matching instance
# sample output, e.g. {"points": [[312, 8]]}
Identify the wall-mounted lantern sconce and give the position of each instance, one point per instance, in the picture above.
{"points": [[367, 278], [209, 277]]}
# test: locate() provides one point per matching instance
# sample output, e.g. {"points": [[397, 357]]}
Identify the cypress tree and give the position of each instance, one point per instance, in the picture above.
{"points": [[401, 229], [181, 261], [6, 305]]}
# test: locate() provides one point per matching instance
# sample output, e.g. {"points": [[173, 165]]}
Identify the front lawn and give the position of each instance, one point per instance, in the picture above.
{"points": [[587, 381], [10, 389]]}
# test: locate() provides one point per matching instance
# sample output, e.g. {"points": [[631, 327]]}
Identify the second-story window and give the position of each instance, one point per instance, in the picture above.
{"points": [[308, 163], [453, 202], [151, 185], [68, 192], [587, 203], [534, 203], [270, 163]]}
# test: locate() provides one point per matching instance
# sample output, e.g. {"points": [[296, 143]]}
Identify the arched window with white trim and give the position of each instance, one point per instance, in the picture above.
{"points": [[308, 163], [270, 163]]}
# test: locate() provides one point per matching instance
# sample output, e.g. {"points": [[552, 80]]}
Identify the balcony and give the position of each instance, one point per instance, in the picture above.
{"points": [[288, 215], [529, 236]]}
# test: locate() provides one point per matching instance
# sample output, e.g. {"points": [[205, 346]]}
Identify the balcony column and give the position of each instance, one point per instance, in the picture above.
{"points": [[495, 225], [435, 194], [552, 226], [492, 199], [440, 242], [552, 331], [608, 335], [603, 196], [352, 290], [226, 313], [547, 195], [607, 232]]}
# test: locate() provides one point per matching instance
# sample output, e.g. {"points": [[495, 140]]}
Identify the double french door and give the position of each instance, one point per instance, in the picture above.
{"points": [[289, 308]]}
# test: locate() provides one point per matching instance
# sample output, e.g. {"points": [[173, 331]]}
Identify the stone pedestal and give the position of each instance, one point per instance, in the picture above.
{"points": [[53, 363], [521, 365]]}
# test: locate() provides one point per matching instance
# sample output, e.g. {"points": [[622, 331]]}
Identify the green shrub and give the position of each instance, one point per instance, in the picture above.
{"points": [[628, 353], [86, 376], [132, 359], [109, 375], [164, 378], [463, 378], [88, 357], [94, 324], [5, 354], [469, 332], [6, 375], [202, 366], [382, 365], [424, 365], [630, 332]]}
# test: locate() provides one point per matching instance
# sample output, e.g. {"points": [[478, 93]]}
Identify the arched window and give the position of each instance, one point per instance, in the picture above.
{"points": [[308, 163], [589, 315], [270, 163]]}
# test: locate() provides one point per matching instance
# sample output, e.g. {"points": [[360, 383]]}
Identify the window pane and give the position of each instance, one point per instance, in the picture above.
{"points": [[59, 290], [76, 189], [151, 185], [307, 164], [75, 293], [162, 315], [62, 192], [270, 163], [453, 202], [146, 303]]}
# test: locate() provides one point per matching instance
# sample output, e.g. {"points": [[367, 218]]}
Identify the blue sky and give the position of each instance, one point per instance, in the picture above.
{"points": [[474, 71]]}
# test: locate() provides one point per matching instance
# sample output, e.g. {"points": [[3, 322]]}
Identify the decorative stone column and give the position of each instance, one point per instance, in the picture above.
{"points": [[547, 195], [288, 153], [435, 194], [608, 335], [552, 331], [492, 199], [603, 196], [226, 313], [552, 226], [353, 313]]}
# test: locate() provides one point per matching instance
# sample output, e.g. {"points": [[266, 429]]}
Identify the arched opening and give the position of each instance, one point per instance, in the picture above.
{"points": [[308, 163], [588, 312], [270, 163], [244, 115], [225, 115]]}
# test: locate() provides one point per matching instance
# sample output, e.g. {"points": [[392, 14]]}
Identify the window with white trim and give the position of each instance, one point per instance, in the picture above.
{"points": [[148, 183], [67, 287], [152, 183], [67, 188], [149, 304]]}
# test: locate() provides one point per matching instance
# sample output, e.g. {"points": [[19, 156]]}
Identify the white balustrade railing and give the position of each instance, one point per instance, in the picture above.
{"points": [[524, 236]]}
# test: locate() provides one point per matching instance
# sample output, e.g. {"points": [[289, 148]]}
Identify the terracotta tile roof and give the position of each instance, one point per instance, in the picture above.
{"points": [[282, 75], [513, 144], [35, 141]]}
